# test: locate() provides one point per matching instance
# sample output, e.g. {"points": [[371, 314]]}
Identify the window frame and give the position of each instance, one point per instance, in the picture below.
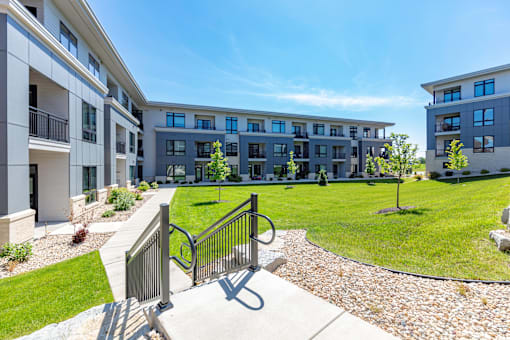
{"points": [[483, 148], [89, 173], [173, 116], [319, 129], [231, 125], [353, 132], [95, 66], [319, 167], [173, 176], [318, 151], [201, 149], [201, 126], [483, 121], [231, 149], [282, 152], [451, 93], [89, 126], [173, 147], [64, 30], [251, 126], [366, 132], [132, 142], [354, 152], [484, 84], [278, 123]]}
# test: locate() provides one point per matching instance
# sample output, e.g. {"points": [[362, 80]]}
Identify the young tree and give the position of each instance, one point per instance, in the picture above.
{"points": [[369, 165], [401, 157], [291, 165], [323, 178], [218, 166], [456, 160]]}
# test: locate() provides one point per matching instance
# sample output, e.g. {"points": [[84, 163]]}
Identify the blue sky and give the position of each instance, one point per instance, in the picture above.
{"points": [[354, 59]]}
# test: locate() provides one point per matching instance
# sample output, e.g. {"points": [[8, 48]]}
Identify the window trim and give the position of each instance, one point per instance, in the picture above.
{"points": [[282, 152], [173, 166], [174, 115], [173, 150], [231, 129], [68, 34], [483, 148], [451, 92], [353, 132], [483, 121], [251, 125], [280, 124], [484, 84], [317, 128], [318, 153], [91, 131], [95, 65], [231, 149]]}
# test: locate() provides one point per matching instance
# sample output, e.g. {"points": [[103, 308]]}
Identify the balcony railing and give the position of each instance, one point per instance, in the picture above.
{"points": [[445, 127], [338, 134], [121, 147], [256, 131], [301, 155], [338, 155], [441, 152], [301, 135], [203, 154], [48, 126], [205, 127], [257, 154]]}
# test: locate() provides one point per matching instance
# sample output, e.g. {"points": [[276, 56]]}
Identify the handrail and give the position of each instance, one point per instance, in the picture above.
{"points": [[237, 217], [272, 228], [147, 233], [221, 220], [191, 244], [51, 115]]}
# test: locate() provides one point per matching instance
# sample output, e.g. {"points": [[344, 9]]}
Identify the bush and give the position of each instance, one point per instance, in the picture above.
{"points": [[448, 173], [183, 182], [116, 193], [280, 179], [144, 186], [138, 196], [16, 252], [154, 185], [234, 178], [418, 177], [196, 180], [504, 170], [434, 175], [484, 171], [323, 178], [108, 213], [289, 178], [466, 172], [159, 182], [124, 201], [80, 235]]}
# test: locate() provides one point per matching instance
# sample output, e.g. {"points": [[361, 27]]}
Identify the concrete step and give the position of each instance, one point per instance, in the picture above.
{"points": [[260, 305], [179, 280]]}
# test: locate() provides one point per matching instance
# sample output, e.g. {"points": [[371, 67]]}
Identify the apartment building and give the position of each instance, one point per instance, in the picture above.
{"points": [[74, 123], [475, 109]]}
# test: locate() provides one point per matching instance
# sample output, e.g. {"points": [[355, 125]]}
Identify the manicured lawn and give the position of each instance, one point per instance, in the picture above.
{"points": [[447, 234], [52, 294]]}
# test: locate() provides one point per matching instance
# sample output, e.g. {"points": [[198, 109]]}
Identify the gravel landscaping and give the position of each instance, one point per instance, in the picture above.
{"points": [[404, 305], [52, 249]]}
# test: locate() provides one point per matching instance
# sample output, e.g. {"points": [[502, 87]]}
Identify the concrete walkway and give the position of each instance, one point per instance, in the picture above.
{"points": [[260, 305]]}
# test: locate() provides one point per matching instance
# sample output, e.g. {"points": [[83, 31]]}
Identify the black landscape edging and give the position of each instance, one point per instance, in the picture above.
{"points": [[441, 278]]}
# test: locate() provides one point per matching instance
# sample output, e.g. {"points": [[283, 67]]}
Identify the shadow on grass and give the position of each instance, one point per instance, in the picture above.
{"points": [[453, 179], [414, 211], [199, 204]]}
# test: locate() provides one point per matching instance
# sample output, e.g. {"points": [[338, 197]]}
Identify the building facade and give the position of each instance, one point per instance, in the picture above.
{"points": [[74, 123], [475, 109]]}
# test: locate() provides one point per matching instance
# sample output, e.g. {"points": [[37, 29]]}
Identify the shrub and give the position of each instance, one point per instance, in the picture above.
{"points": [[108, 213], [116, 193], [289, 178], [154, 185], [484, 171], [323, 178], [159, 182], [124, 201], [418, 177], [16, 252], [190, 182], [434, 175], [448, 173], [196, 180], [280, 179], [80, 235], [138, 196], [466, 172], [183, 182], [234, 178], [504, 170], [144, 186]]}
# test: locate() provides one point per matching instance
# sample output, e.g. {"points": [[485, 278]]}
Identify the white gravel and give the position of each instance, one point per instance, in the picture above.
{"points": [[52, 249], [404, 305]]}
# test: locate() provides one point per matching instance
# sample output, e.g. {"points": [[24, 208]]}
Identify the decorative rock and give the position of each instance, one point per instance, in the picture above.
{"points": [[271, 260], [505, 216], [502, 238]]}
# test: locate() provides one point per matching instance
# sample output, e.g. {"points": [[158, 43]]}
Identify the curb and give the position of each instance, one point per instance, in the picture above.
{"points": [[423, 276]]}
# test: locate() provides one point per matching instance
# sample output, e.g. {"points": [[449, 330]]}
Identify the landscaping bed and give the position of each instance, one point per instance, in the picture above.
{"points": [[407, 306]]}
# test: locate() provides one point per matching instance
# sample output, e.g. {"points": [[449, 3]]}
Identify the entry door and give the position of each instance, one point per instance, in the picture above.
{"points": [[33, 189], [198, 173], [257, 170], [335, 170]]}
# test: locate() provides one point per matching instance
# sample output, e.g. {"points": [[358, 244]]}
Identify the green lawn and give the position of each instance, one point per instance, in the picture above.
{"points": [[447, 234], [52, 294]]}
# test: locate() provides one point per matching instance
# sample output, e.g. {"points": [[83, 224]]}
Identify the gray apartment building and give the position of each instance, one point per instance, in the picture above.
{"points": [[74, 123], [475, 109]]}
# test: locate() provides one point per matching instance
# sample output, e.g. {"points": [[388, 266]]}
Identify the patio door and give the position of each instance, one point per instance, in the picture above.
{"points": [[33, 190], [198, 173]]}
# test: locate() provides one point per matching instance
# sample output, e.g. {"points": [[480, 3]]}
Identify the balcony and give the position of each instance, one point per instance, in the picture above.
{"points": [[445, 127], [338, 155], [121, 148], [204, 127], [338, 134], [48, 126], [301, 155], [302, 135], [255, 131], [256, 154], [441, 152], [384, 155], [203, 154]]}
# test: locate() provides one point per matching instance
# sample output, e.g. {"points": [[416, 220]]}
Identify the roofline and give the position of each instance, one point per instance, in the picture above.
{"points": [[428, 86], [262, 113]]}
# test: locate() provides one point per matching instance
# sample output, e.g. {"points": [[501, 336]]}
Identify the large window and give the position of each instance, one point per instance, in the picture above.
{"points": [[204, 150], [483, 144], [334, 131], [353, 132], [231, 149], [354, 152], [204, 124], [280, 170], [319, 167], [175, 148], [366, 132], [132, 173], [89, 122], [451, 123], [318, 129], [321, 151], [451, 95], [253, 127], [278, 126], [125, 100], [68, 40], [484, 87], [280, 150], [231, 124], [174, 119], [370, 151], [234, 169], [175, 172], [93, 66], [131, 142], [483, 117], [89, 183]]}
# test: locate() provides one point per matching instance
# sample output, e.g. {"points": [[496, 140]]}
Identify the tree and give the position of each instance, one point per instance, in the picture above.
{"points": [[323, 177], [369, 165], [291, 166], [401, 157], [456, 160], [218, 166]]}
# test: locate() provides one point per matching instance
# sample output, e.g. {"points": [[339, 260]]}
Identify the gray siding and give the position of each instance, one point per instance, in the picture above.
{"points": [[346, 144], [269, 142]]}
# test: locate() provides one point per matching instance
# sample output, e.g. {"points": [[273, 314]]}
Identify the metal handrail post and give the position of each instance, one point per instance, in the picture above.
{"points": [[254, 245], [164, 225]]}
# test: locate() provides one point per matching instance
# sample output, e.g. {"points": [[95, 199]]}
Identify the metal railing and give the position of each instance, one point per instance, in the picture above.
{"points": [[301, 155], [444, 127], [338, 155], [45, 125], [201, 154], [259, 154], [440, 152], [301, 135], [121, 147]]}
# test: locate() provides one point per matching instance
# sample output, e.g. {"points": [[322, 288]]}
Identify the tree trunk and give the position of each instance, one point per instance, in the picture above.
{"points": [[458, 179], [398, 191], [219, 192]]}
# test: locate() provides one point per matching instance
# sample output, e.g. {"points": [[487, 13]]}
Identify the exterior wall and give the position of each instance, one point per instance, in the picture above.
{"points": [[271, 160], [362, 151], [328, 161]]}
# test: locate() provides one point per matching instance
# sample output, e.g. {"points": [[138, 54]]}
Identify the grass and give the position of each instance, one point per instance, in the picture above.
{"points": [[446, 235], [52, 294]]}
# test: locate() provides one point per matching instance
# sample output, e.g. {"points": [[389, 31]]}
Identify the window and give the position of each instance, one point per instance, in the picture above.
{"points": [[280, 150], [89, 122], [451, 95], [333, 132], [445, 165], [319, 167], [451, 123], [234, 169], [253, 127], [203, 124], [278, 126], [296, 130], [89, 183], [175, 172], [131, 142], [68, 40], [354, 152], [132, 173], [93, 66], [280, 170], [446, 144], [483, 144], [204, 150], [483, 117], [318, 129], [484, 87], [321, 151], [254, 151], [353, 132], [140, 171], [231, 149], [380, 133], [125, 100], [370, 151], [175, 148], [32, 10], [174, 119], [366, 132], [232, 125]]}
